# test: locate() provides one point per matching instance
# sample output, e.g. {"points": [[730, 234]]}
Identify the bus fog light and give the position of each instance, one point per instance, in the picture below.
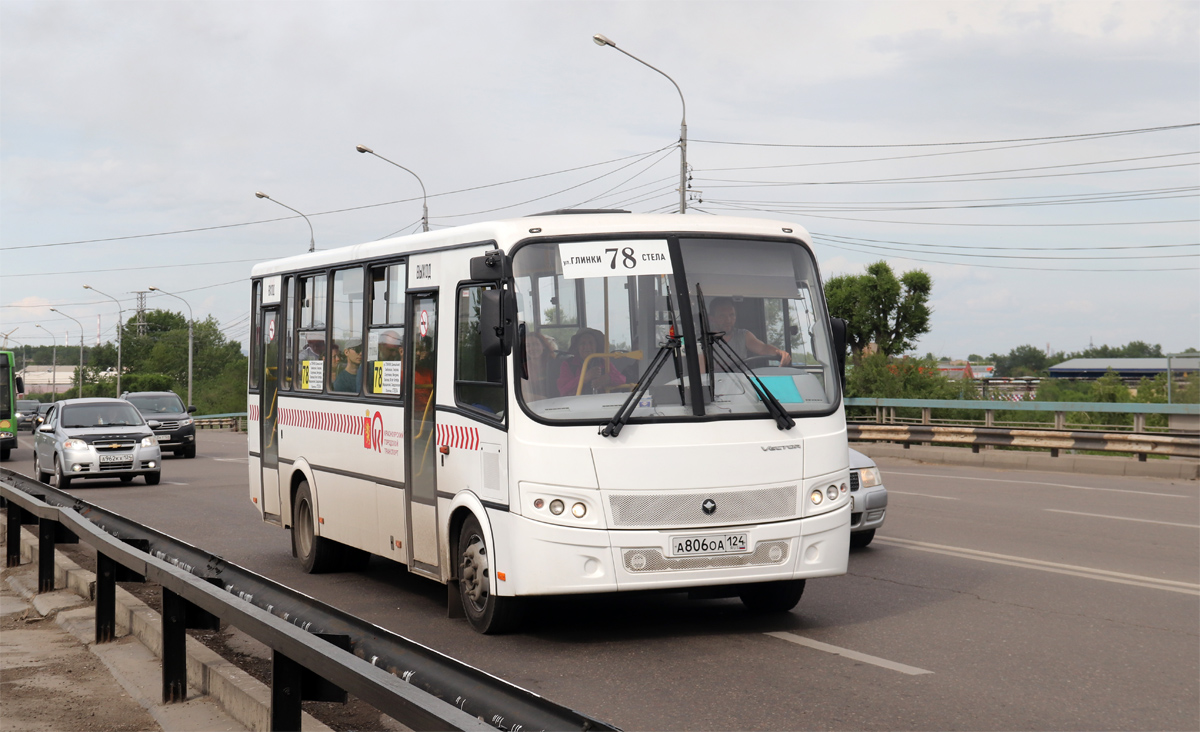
{"points": [[556, 507], [817, 496], [538, 503], [832, 492], [578, 510], [843, 487]]}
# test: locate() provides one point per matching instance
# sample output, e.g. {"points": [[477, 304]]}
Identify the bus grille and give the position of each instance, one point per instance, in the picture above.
{"points": [[677, 510], [652, 560]]}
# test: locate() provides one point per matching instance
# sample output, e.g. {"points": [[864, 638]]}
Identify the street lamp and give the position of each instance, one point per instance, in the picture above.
{"points": [[120, 328], [424, 198], [312, 237], [53, 362], [190, 320], [53, 310], [601, 40]]}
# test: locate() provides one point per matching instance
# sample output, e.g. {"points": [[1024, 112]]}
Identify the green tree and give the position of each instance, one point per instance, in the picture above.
{"points": [[1024, 360], [880, 308]]}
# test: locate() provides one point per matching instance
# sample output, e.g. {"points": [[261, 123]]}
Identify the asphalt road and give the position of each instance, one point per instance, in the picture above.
{"points": [[990, 600]]}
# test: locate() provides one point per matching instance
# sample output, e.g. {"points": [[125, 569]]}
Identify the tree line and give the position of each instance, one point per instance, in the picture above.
{"points": [[157, 361]]}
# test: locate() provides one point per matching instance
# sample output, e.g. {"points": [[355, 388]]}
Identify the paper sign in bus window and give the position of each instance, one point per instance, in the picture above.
{"points": [[619, 258]]}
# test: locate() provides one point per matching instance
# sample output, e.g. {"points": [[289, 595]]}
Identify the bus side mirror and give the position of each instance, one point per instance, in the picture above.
{"points": [[497, 312], [838, 326], [491, 267], [20, 384]]}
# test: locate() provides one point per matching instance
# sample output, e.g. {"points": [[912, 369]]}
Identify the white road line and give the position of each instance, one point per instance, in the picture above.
{"points": [[1122, 518], [925, 495], [1105, 575], [855, 655], [1036, 482], [172, 482], [230, 460]]}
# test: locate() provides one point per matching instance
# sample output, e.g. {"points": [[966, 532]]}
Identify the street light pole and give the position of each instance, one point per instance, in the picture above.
{"points": [[190, 321], [120, 332], [601, 40], [79, 394], [312, 237], [424, 198], [53, 363]]}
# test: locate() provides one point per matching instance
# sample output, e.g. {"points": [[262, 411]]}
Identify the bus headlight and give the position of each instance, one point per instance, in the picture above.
{"points": [[578, 510], [556, 507], [832, 492], [817, 496]]}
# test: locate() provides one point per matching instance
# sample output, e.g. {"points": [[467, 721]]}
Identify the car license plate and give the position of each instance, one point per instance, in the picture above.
{"points": [[118, 458], [686, 546]]}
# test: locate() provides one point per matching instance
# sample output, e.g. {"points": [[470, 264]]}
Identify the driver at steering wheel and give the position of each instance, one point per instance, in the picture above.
{"points": [[723, 318], [601, 373]]}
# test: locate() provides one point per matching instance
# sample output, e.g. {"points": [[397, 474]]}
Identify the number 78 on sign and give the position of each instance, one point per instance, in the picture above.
{"points": [[620, 258]]}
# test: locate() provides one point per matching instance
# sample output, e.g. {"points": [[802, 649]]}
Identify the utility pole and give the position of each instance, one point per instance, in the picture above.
{"points": [[141, 312]]}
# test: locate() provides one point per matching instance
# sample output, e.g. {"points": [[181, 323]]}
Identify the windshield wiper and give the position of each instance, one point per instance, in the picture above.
{"points": [[621, 418], [715, 341]]}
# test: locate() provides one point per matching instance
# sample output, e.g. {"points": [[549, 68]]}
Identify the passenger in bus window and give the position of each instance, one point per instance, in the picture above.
{"points": [[723, 319], [350, 377], [540, 361], [335, 360], [390, 347], [601, 372]]}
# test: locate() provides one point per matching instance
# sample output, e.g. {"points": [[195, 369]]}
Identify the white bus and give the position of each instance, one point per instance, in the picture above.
{"points": [[564, 403]]}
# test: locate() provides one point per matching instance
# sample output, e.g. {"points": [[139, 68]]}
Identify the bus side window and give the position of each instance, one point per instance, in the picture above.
{"points": [[384, 361], [478, 379]]}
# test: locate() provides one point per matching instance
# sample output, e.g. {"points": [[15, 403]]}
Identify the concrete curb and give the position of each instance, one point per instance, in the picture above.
{"points": [[241, 696], [1175, 468]]}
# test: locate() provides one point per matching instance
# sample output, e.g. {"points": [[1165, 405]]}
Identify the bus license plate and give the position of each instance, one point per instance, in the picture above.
{"points": [[119, 458], [686, 546]]}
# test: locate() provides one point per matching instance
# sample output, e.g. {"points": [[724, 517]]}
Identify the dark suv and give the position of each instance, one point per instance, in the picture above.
{"points": [[176, 430]]}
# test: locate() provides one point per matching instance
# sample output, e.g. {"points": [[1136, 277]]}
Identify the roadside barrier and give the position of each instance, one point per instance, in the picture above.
{"points": [[1142, 444], [232, 421], [319, 652]]}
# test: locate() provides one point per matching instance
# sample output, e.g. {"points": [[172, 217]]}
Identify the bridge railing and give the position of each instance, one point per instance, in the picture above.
{"points": [[318, 652], [1045, 425], [232, 421]]}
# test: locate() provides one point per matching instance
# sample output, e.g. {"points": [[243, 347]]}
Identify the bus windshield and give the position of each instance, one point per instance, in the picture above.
{"points": [[594, 315]]}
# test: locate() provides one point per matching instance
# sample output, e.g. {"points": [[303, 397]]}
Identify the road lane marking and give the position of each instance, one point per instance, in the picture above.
{"points": [[1123, 518], [1105, 575], [1038, 482], [230, 460], [925, 495], [855, 655], [172, 482]]}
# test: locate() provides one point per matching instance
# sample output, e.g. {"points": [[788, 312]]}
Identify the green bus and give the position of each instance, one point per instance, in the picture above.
{"points": [[10, 387]]}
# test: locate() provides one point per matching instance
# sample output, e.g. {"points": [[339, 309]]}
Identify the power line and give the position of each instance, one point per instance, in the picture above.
{"points": [[130, 269], [857, 239], [334, 211], [1026, 256], [1068, 138], [1000, 266], [942, 223]]}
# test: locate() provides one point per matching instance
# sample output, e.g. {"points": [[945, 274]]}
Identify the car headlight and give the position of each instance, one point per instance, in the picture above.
{"points": [[186, 422], [869, 477], [75, 445], [149, 441]]}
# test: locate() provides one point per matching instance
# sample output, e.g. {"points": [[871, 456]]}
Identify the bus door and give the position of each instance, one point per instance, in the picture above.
{"points": [[268, 409], [420, 443]]}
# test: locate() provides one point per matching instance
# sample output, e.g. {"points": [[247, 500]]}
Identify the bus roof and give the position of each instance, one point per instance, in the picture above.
{"points": [[508, 231]]}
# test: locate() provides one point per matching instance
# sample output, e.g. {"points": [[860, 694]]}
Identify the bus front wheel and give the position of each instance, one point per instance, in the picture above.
{"points": [[316, 554], [486, 612], [772, 597]]}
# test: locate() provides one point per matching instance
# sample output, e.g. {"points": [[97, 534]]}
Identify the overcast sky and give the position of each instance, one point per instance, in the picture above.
{"points": [[126, 121]]}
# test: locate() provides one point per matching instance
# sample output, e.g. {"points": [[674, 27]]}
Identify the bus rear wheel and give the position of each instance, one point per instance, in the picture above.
{"points": [[486, 612], [771, 597], [316, 554]]}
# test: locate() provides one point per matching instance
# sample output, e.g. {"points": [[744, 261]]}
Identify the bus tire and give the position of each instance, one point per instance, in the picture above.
{"points": [[317, 554], [487, 613], [860, 539], [61, 481], [4, 453], [771, 597]]}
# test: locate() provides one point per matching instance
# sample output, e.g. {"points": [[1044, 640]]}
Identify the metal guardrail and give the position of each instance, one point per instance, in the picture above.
{"points": [[1142, 444], [234, 421], [415, 685], [1122, 408]]}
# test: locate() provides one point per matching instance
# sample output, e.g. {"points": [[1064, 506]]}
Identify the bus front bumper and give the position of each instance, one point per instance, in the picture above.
{"points": [[546, 559]]}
